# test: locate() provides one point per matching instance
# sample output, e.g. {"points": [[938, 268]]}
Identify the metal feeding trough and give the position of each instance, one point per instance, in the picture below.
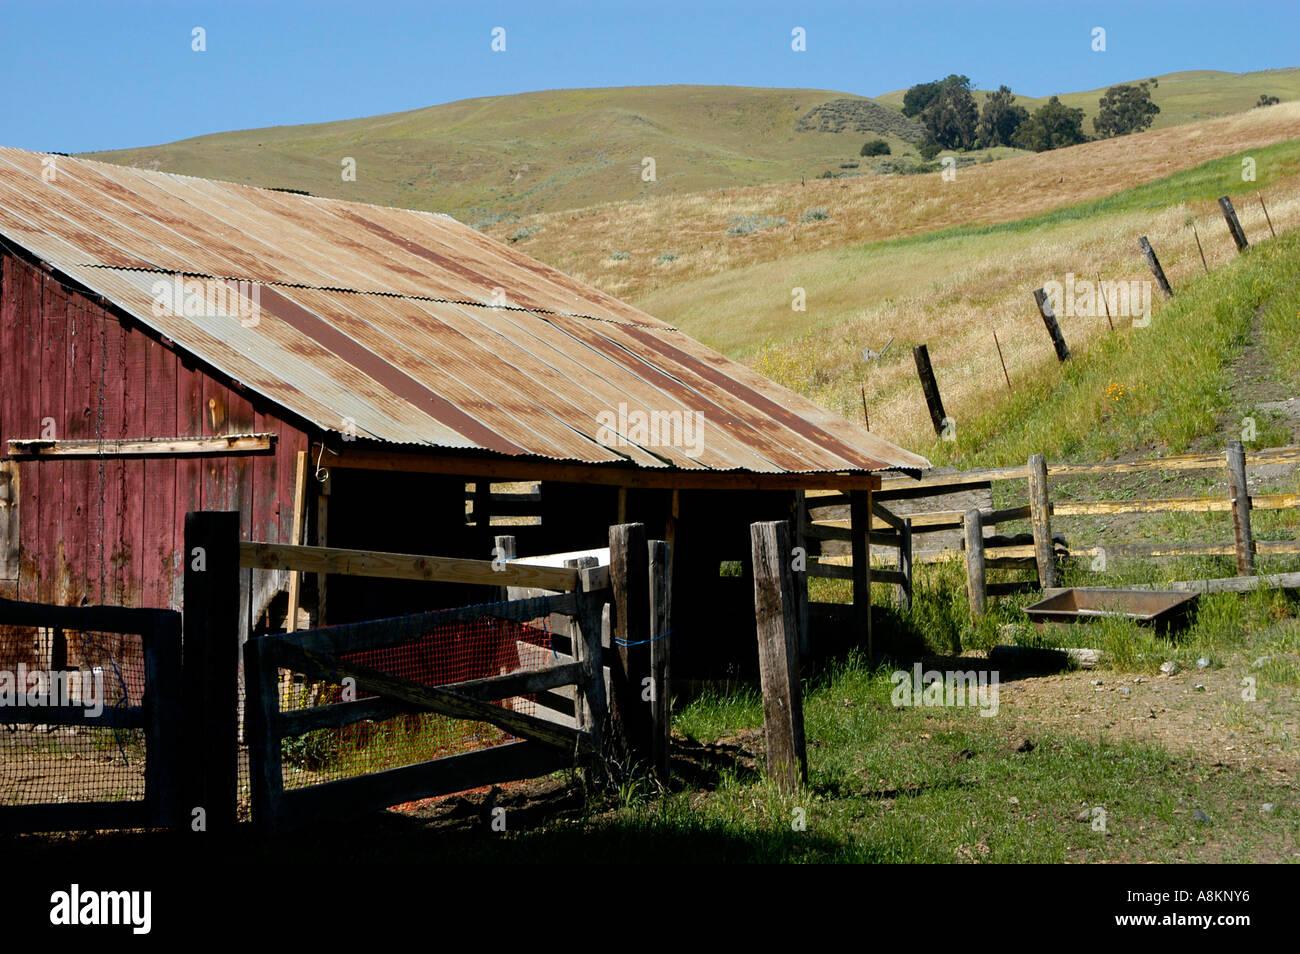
{"points": [[1163, 609]]}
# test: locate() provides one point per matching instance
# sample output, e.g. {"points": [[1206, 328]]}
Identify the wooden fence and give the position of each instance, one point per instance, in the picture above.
{"points": [[1040, 549], [616, 619]]}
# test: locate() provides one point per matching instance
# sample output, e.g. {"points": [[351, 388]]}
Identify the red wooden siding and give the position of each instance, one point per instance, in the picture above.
{"points": [[112, 530]]}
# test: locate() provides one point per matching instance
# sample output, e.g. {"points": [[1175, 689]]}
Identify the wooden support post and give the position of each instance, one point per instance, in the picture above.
{"points": [[660, 644], [778, 656], [1053, 328], [210, 661], [1234, 227], [1040, 515], [929, 387], [1197, 235], [322, 540], [482, 503], [859, 528], [503, 548], [905, 565], [801, 525], [1240, 497], [265, 761], [622, 505], [591, 706], [975, 588], [1154, 264], [629, 577], [295, 538], [1266, 215]]}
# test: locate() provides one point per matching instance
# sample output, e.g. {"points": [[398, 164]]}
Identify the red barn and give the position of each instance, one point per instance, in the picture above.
{"points": [[170, 344]]}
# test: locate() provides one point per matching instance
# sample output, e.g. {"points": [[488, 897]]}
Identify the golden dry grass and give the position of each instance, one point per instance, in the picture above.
{"points": [[869, 209]]}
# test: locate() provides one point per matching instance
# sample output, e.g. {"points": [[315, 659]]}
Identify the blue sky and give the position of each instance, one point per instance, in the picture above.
{"points": [[80, 76]]}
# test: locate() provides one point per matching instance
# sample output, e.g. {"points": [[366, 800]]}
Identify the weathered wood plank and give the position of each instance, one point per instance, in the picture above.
{"points": [[145, 447], [348, 798], [403, 566], [778, 654]]}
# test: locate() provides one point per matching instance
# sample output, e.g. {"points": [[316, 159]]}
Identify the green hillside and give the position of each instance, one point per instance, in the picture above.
{"points": [[482, 159]]}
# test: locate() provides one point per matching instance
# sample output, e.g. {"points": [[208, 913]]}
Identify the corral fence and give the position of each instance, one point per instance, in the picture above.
{"points": [[565, 667], [1040, 550]]}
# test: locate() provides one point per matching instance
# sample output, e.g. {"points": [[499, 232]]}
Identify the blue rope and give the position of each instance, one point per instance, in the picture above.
{"points": [[641, 642]]}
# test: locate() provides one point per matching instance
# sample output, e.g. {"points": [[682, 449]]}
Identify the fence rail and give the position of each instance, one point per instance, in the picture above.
{"points": [[1041, 549]]}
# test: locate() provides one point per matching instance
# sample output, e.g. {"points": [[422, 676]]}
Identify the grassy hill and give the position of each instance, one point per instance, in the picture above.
{"points": [[1183, 97], [484, 158], [920, 259], [494, 157]]}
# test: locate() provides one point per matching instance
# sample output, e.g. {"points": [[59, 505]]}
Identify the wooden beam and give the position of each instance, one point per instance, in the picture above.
{"points": [[322, 540], [145, 447], [510, 469], [904, 593], [778, 654], [295, 537], [403, 566]]}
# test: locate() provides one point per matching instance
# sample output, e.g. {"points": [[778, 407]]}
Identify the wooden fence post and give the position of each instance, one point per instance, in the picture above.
{"points": [[975, 591], [859, 531], [322, 540], [1240, 495], [629, 576], [1053, 329], [503, 548], [930, 387], [590, 702], [904, 593], [1040, 511], [778, 656], [1154, 264], [210, 665], [660, 646], [1230, 216], [265, 766]]}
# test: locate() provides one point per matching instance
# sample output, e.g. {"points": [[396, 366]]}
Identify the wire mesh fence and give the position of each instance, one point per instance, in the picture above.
{"points": [[62, 760], [431, 655]]}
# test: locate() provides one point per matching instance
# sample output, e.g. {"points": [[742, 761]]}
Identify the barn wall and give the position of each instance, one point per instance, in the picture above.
{"points": [[112, 530]]}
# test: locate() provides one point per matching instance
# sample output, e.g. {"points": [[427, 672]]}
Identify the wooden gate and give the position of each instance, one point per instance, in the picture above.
{"points": [[321, 656], [151, 707]]}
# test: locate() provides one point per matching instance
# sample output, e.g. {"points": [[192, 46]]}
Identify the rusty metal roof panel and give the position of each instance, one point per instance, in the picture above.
{"points": [[412, 328]]}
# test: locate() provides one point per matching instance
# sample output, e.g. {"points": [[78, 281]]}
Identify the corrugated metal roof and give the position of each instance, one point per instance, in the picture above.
{"points": [[409, 327]]}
